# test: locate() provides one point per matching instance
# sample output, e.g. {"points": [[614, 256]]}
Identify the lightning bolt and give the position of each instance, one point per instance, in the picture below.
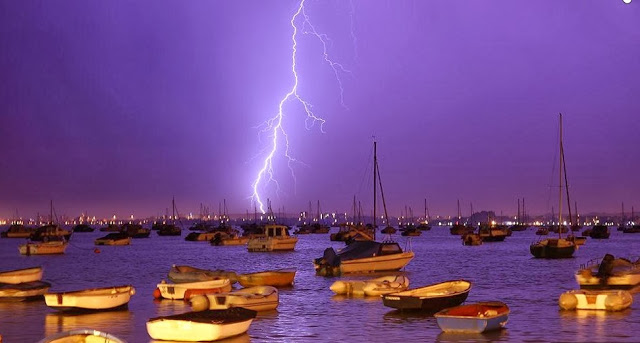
{"points": [[273, 126]]}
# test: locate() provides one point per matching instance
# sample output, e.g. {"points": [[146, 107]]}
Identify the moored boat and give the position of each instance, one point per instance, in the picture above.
{"points": [[114, 238], [362, 257], [553, 248], [45, 248], [274, 238], [610, 273], [182, 274], [82, 228], [105, 298], [21, 275], [226, 239], [50, 232], [275, 278], [474, 318], [186, 290], [82, 335], [600, 231], [258, 298], [18, 231], [471, 239], [607, 300], [373, 287], [209, 325], [23, 291], [432, 298]]}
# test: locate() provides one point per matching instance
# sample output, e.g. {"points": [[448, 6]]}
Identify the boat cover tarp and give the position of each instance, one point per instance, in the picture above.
{"points": [[359, 249]]}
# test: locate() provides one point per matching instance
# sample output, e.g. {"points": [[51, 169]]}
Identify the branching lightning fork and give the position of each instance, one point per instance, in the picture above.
{"points": [[273, 126]]}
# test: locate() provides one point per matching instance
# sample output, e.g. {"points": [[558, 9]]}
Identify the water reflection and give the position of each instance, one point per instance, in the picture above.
{"points": [[105, 321], [343, 297], [167, 307], [491, 336], [244, 338]]}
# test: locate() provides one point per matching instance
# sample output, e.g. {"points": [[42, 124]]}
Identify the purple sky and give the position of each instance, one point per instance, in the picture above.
{"points": [[116, 106]]}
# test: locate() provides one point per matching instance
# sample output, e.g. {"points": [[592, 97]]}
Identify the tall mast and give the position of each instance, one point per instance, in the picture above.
{"points": [[375, 173], [560, 183]]}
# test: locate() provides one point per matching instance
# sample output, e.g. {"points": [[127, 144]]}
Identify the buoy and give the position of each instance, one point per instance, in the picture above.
{"points": [[96, 250], [157, 294], [199, 303]]}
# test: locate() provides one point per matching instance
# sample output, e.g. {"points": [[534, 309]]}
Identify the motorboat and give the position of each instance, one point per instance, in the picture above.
{"points": [[474, 318], [114, 238], [600, 231], [23, 291], [471, 239], [21, 275], [432, 298], [275, 278], [610, 273], [553, 248], [135, 230], [82, 228], [373, 287], [362, 257], [186, 290], [50, 232], [258, 298], [493, 233], [209, 325], [606, 300], [226, 239], [105, 298], [205, 236], [274, 238], [182, 274]]}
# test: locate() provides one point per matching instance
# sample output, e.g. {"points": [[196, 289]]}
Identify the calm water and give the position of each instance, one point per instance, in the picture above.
{"points": [[309, 311]]}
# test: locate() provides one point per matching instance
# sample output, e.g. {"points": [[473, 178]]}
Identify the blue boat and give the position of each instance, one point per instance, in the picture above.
{"points": [[474, 318]]}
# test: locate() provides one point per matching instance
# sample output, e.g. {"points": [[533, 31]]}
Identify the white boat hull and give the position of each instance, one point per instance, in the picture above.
{"points": [[182, 330], [176, 291], [92, 299], [376, 263], [272, 244], [21, 275]]}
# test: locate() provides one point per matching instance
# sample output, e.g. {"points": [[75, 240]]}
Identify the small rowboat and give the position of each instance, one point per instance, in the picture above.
{"points": [[607, 300], [258, 298], [182, 274], [275, 278], [209, 325], [106, 298], [21, 275], [432, 298], [186, 290], [82, 335], [46, 248], [373, 287], [474, 318], [23, 291]]}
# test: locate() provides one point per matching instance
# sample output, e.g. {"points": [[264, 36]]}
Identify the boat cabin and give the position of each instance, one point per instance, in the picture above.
{"points": [[276, 231]]}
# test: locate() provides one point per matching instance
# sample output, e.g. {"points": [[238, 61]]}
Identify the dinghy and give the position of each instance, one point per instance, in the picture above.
{"points": [[186, 290], [474, 318], [106, 298], [258, 298], [606, 300], [275, 278], [181, 274], [209, 325], [82, 335], [21, 275], [372, 287], [46, 248], [23, 291], [432, 298]]}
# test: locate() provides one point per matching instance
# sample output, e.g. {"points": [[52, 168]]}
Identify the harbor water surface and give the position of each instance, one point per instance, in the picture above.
{"points": [[308, 311]]}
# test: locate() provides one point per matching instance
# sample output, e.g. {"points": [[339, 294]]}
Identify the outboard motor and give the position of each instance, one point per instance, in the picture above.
{"points": [[605, 269]]}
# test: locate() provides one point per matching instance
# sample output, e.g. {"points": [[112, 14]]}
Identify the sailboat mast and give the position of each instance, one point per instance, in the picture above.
{"points": [[375, 173], [560, 184]]}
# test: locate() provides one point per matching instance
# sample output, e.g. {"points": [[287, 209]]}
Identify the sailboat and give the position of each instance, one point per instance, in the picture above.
{"points": [[169, 229], [424, 226], [364, 256], [556, 247]]}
